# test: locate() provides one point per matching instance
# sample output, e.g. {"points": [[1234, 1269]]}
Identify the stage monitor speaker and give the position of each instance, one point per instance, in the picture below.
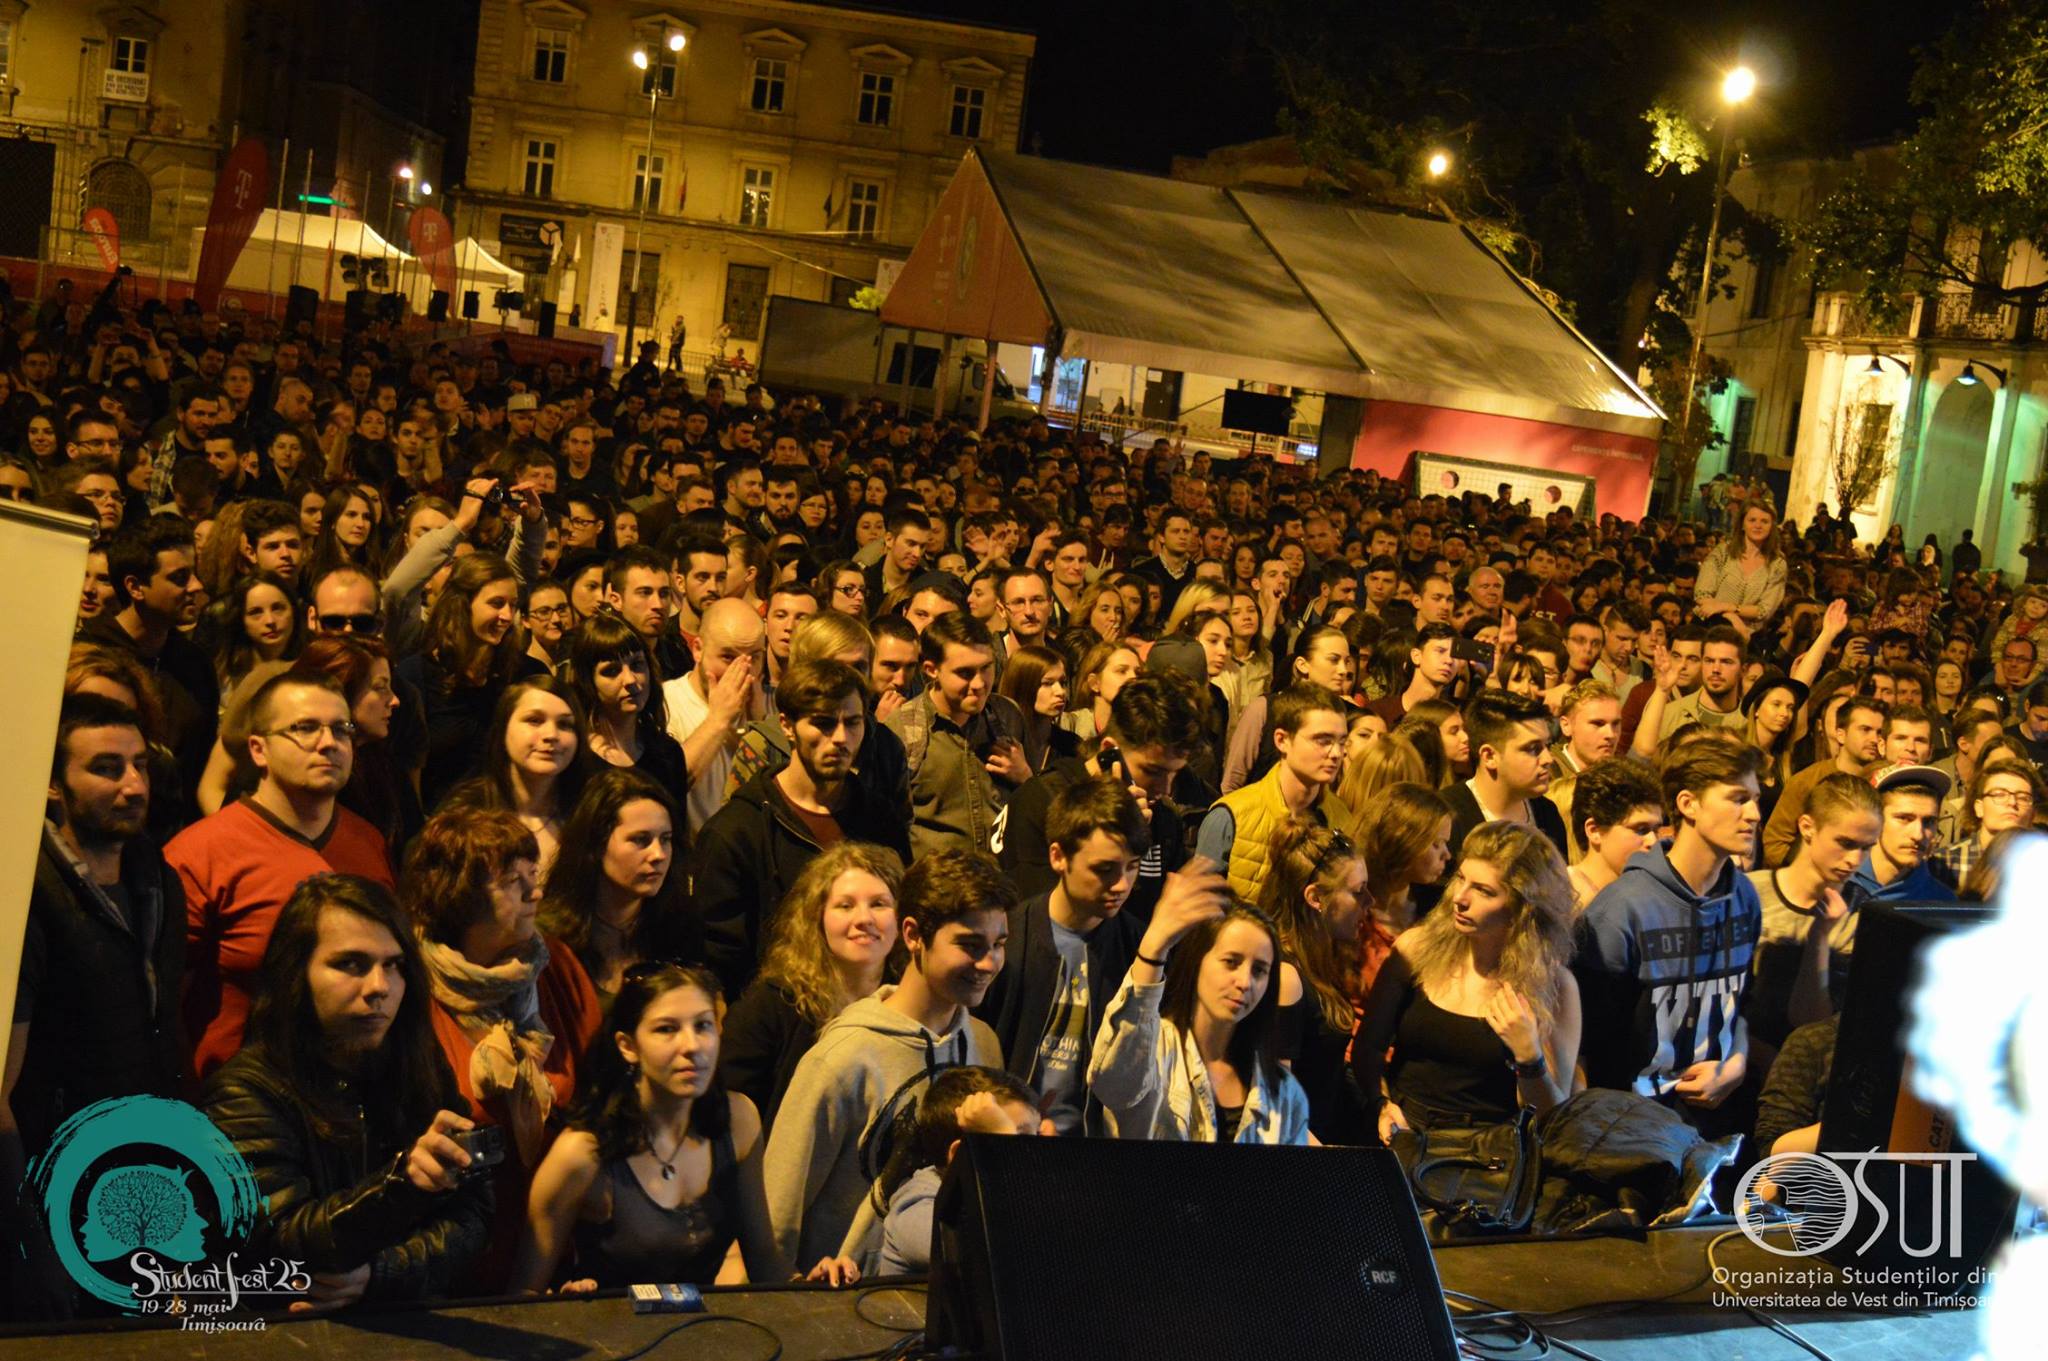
{"points": [[437, 305], [356, 310], [1138, 1249], [301, 305], [471, 304], [1945, 1213], [546, 325]]}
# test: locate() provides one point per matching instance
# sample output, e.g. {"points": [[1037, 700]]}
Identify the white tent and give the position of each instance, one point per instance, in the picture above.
{"points": [[306, 249], [278, 256], [474, 263]]}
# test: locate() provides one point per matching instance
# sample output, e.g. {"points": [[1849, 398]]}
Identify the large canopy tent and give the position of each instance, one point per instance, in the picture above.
{"points": [[1449, 352]]}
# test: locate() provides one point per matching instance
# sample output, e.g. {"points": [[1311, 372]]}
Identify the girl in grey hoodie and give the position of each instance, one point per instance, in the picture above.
{"points": [[873, 1062]]}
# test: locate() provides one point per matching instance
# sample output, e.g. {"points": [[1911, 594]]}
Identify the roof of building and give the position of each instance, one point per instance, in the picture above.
{"points": [[1332, 297]]}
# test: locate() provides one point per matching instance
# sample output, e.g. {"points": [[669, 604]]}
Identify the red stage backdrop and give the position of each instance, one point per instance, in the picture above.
{"points": [[238, 199], [433, 242], [106, 234], [1621, 466]]}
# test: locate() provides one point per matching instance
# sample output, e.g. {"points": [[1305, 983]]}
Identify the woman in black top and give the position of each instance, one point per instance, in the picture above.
{"points": [[1477, 1003], [1316, 895], [659, 1174], [832, 942], [608, 666]]}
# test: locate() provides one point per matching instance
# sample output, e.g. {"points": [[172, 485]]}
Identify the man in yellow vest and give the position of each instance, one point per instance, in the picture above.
{"points": [[1309, 724]]}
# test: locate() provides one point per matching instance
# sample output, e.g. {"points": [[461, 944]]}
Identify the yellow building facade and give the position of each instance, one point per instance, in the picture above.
{"points": [[111, 106], [795, 149]]}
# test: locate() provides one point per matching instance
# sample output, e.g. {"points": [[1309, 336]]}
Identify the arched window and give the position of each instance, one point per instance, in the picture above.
{"points": [[123, 190]]}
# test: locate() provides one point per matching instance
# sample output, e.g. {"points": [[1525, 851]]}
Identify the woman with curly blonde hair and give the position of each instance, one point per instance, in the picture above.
{"points": [[1476, 1014], [832, 941]]}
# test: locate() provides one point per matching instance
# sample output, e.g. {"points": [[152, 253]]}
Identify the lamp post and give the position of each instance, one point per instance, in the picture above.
{"points": [[641, 60], [1737, 86], [391, 204]]}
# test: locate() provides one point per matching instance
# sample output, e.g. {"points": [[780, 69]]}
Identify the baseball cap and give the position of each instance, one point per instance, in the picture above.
{"points": [[522, 401], [1931, 778]]}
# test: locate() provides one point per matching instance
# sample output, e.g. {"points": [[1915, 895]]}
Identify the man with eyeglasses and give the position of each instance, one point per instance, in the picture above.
{"points": [[240, 865], [91, 433], [95, 479], [2007, 792], [2016, 668]]}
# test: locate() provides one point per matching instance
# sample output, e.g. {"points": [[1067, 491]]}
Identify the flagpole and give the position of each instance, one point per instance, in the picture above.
{"points": [[284, 161]]}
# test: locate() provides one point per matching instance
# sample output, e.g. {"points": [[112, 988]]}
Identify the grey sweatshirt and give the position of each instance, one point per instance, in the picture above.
{"points": [[855, 1075]]}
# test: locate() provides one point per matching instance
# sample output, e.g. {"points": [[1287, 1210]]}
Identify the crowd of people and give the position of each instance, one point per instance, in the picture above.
{"points": [[567, 828]]}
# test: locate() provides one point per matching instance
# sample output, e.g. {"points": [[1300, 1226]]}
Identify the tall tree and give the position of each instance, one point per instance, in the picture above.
{"points": [[1969, 183]]}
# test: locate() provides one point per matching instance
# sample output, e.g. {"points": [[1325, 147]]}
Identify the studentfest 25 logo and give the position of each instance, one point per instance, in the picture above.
{"points": [[147, 1206]]}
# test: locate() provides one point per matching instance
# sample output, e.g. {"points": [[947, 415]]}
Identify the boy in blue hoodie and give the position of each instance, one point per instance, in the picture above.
{"points": [[1664, 951]]}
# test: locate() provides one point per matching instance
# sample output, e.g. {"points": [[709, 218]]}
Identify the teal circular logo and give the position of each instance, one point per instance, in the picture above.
{"points": [[106, 1212]]}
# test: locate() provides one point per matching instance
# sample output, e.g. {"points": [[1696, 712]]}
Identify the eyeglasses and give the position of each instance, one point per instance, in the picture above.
{"points": [[583, 522], [351, 623], [2010, 798], [549, 611], [306, 732]]}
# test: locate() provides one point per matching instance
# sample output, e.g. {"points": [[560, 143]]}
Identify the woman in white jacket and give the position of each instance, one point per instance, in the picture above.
{"points": [[1185, 1048]]}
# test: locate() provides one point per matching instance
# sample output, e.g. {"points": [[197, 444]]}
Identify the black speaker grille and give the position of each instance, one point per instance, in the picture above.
{"points": [[1105, 1248]]}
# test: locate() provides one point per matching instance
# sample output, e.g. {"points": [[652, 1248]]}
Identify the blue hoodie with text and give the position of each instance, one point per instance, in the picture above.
{"points": [[1661, 971]]}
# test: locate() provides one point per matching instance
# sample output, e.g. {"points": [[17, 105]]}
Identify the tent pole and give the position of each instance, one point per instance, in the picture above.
{"points": [[988, 384], [943, 379]]}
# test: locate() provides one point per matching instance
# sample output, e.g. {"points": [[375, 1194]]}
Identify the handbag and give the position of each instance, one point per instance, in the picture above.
{"points": [[1479, 1179]]}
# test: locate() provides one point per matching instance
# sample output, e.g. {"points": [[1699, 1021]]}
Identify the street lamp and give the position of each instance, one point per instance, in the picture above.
{"points": [[1439, 164], [1736, 87], [642, 61], [391, 203]]}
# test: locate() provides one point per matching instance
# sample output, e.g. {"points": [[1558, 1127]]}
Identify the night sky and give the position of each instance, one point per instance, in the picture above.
{"points": [[1133, 83]]}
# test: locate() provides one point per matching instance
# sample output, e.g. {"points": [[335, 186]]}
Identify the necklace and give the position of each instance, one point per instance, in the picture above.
{"points": [[668, 1164]]}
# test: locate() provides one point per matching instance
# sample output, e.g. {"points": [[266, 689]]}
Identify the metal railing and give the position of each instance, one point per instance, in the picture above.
{"points": [[1964, 316]]}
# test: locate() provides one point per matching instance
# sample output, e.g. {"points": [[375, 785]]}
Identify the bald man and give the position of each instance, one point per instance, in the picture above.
{"points": [[710, 705], [1485, 588]]}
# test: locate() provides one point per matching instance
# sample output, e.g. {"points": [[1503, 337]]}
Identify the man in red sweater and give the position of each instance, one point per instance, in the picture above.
{"points": [[240, 865]]}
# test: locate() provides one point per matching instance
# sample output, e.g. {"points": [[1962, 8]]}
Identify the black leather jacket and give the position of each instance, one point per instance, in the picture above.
{"points": [[336, 1203]]}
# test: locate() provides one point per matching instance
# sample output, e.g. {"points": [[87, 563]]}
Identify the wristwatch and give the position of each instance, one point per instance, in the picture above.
{"points": [[1538, 1067]]}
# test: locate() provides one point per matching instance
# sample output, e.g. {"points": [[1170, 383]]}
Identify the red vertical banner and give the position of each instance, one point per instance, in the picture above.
{"points": [[99, 224], [238, 199], [433, 243]]}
